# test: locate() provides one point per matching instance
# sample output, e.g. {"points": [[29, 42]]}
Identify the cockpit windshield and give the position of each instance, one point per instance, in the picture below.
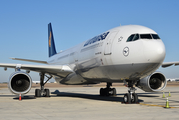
{"points": [[155, 36], [145, 36], [135, 37], [130, 38]]}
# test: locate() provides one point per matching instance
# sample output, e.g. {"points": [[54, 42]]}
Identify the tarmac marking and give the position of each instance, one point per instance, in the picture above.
{"points": [[155, 105]]}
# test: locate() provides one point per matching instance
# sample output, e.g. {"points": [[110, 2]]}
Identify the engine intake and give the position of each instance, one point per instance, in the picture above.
{"points": [[152, 83], [20, 82]]}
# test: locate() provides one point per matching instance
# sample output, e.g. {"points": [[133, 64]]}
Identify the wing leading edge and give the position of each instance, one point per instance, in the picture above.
{"points": [[57, 70]]}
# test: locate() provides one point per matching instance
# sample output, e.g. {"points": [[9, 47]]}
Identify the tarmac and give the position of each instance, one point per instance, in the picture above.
{"points": [[84, 102]]}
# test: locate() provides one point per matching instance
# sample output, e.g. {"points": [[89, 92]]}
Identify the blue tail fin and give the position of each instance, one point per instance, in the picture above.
{"points": [[51, 44]]}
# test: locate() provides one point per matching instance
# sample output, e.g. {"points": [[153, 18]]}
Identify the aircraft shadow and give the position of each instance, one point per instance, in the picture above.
{"points": [[26, 97], [92, 97], [89, 96]]}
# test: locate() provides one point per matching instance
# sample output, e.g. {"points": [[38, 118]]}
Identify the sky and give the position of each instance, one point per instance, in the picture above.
{"points": [[24, 30]]}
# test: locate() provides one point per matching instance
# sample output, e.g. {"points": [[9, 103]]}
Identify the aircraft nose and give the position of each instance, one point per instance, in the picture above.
{"points": [[154, 51]]}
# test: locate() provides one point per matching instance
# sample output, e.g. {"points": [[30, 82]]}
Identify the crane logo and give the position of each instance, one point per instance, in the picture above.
{"points": [[50, 40], [126, 51]]}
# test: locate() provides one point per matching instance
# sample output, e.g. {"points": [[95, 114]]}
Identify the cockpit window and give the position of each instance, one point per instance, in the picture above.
{"points": [[136, 37], [133, 37], [145, 36], [130, 38], [155, 36]]}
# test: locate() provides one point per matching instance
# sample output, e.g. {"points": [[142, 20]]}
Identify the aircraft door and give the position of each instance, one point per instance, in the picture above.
{"points": [[74, 60], [109, 42]]}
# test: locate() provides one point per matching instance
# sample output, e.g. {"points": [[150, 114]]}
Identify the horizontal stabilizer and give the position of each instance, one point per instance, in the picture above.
{"points": [[28, 60]]}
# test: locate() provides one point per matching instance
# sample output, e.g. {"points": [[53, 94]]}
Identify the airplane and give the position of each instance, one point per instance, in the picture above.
{"points": [[128, 54]]}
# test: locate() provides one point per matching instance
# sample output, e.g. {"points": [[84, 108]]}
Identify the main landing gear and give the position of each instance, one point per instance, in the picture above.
{"points": [[43, 92], [108, 91], [131, 96]]}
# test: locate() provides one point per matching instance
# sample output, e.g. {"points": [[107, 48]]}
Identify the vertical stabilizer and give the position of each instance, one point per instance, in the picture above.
{"points": [[51, 44]]}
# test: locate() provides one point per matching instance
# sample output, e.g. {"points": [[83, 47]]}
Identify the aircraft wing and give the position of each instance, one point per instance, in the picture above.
{"points": [[58, 70], [167, 64]]}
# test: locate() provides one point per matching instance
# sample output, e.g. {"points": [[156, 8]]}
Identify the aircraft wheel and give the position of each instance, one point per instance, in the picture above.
{"points": [[37, 93], [134, 98], [47, 93], [102, 92], [107, 92], [127, 98], [113, 91]]}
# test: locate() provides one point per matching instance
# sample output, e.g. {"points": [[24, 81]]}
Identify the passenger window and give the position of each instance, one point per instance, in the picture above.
{"points": [[145, 36], [136, 37], [155, 36], [130, 38]]}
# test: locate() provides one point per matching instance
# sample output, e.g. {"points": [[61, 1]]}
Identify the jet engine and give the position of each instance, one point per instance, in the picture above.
{"points": [[20, 82], [152, 83]]}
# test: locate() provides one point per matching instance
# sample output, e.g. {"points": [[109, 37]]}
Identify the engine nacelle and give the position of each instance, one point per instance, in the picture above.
{"points": [[152, 83], [20, 82]]}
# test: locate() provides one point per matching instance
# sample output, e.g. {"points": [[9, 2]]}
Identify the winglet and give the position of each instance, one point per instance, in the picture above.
{"points": [[51, 44]]}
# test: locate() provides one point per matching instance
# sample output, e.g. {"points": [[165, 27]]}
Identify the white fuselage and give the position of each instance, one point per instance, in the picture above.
{"points": [[109, 57]]}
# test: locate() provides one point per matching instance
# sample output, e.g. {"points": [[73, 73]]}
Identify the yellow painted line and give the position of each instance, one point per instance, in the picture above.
{"points": [[155, 105]]}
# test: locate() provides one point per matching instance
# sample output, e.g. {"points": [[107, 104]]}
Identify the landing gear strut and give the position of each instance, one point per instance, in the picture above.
{"points": [[108, 91], [131, 96], [42, 92]]}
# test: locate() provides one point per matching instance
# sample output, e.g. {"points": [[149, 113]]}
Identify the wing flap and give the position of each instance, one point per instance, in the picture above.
{"points": [[58, 70]]}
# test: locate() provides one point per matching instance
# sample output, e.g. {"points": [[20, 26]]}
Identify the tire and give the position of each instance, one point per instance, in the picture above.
{"points": [[134, 98], [113, 91], [37, 93], [47, 93], [127, 98], [106, 92], [102, 92]]}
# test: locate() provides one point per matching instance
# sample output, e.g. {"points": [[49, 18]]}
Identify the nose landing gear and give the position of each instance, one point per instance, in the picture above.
{"points": [[131, 96]]}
